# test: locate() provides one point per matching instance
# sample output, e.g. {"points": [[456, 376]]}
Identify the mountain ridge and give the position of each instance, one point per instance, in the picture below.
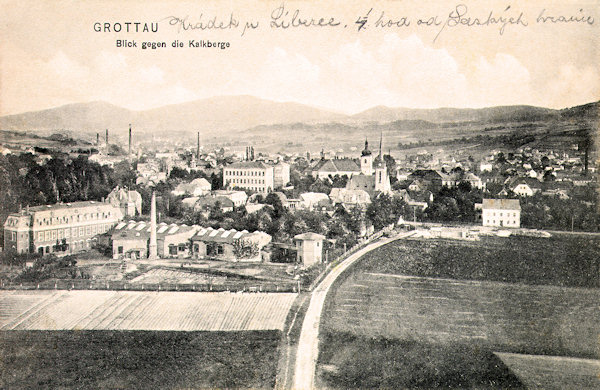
{"points": [[241, 112]]}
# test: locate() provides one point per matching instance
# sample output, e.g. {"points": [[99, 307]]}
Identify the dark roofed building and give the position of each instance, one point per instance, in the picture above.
{"points": [[341, 166]]}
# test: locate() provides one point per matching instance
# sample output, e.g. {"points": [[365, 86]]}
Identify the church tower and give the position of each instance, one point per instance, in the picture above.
{"points": [[382, 177], [366, 161]]}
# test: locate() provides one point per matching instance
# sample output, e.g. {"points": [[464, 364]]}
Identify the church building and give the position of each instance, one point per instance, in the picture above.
{"points": [[374, 177]]}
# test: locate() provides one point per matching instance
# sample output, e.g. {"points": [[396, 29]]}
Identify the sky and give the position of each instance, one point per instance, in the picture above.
{"points": [[50, 54]]}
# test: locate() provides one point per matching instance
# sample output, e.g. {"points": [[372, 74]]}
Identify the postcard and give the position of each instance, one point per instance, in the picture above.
{"points": [[299, 194]]}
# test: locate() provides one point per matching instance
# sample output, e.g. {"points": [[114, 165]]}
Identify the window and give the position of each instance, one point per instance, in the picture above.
{"points": [[13, 236], [120, 250], [172, 250], [67, 231], [47, 235], [81, 232], [181, 248]]}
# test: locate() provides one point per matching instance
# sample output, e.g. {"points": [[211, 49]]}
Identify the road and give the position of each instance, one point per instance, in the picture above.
{"points": [[308, 345]]}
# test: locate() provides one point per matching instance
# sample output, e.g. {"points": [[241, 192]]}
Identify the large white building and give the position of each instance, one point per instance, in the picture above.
{"points": [[61, 227], [250, 175], [501, 213]]}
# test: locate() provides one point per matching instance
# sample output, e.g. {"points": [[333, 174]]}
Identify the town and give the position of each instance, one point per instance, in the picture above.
{"points": [[342, 198], [270, 224], [322, 195]]}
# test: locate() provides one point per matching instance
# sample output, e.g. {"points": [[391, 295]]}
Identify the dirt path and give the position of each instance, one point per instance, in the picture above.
{"points": [[308, 346]]}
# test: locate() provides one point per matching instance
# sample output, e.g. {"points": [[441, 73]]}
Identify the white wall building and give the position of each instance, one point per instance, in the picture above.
{"points": [[501, 213], [251, 175], [309, 248]]}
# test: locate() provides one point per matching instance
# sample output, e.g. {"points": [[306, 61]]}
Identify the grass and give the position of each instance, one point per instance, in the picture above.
{"points": [[562, 260], [431, 313], [138, 360], [544, 320], [362, 362]]}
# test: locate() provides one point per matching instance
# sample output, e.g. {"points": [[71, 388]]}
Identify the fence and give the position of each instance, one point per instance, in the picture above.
{"points": [[231, 286], [344, 255], [87, 284]]}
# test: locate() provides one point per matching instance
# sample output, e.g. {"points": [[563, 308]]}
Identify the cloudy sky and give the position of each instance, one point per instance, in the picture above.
{"points": [[50, 55]]}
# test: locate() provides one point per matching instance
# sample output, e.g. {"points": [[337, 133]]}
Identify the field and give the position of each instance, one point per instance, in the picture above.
{"points": [[561, 260], [468, 303], [129, 310], [517, 318], [138, 359], [553, 372], [162, 275]]}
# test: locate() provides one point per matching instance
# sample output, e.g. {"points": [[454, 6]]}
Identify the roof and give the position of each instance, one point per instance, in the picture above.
{"points": [[208, 201], [309, 236], [501, 204], [200, 182], [337, 165], [72, 205], [425, 174], [248, 165], [227, 236], [349, 196], [122, 194], [141, 230], [530, 181], [361, 182], [313, 197]]}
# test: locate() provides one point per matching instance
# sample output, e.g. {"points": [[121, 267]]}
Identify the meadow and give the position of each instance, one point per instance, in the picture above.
{"points": [[435, 313], [138, 359], [561, 260]]}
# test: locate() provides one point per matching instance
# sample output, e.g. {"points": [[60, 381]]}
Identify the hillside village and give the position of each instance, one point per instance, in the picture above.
{"points": [[128, 232], [254, 206]]}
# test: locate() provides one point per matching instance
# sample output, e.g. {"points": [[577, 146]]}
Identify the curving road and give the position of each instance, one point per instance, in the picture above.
{"points": [[308, 345]]}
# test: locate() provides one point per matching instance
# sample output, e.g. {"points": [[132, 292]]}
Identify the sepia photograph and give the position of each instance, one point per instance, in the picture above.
{"points": [[299, 194]]}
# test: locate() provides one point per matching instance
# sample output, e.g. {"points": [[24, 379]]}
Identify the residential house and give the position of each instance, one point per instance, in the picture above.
{"points": [[309, 248], [197, 187], [501, 213], [349, 198], [128, 201], [525, 186], [239, 198]]}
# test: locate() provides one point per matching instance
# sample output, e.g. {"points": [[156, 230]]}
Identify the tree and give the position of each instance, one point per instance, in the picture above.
{"points": [[245, 249], [275, 201]]}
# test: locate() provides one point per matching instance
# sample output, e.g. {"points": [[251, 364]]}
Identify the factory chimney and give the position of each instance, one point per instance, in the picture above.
{"points": [[152, 255], [107, 138], [198, 148], [129, 151], [97, 139]]}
